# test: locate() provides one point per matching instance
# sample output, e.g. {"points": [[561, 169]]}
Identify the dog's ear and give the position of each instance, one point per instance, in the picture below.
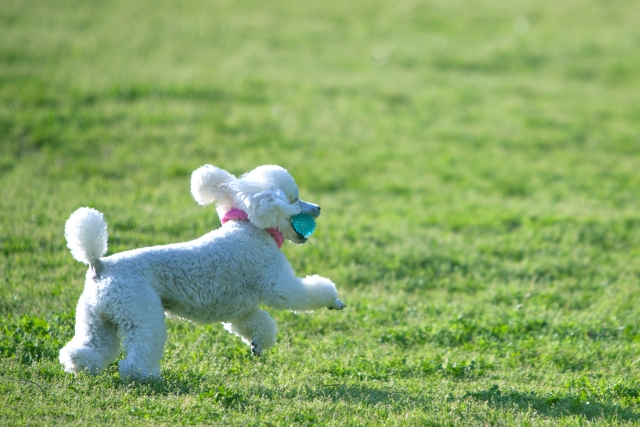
{"points": [[209, 184], [266, 207]]}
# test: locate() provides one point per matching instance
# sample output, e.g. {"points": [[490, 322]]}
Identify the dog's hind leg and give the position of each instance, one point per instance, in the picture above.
{"points": [[308, 294], [257, 329], [144, 337], [96, 343]]}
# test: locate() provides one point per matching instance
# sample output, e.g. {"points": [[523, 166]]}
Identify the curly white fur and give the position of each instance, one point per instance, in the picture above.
{"points": [[221, 277]]}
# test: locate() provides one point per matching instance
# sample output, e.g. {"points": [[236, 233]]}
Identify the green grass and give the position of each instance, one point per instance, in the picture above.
{"points": [[476, 162]]}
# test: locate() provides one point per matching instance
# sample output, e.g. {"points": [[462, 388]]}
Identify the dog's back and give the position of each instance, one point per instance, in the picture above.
{"points": [[204, 280]]}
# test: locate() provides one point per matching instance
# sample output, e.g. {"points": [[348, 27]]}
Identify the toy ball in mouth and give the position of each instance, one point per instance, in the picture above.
{"points": [[303, 224]]}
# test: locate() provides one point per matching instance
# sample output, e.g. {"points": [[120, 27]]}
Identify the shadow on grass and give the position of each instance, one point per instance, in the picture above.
{"points": [[214, 389], [231, 395], [185, 384], [553, 404], [341, 393]]}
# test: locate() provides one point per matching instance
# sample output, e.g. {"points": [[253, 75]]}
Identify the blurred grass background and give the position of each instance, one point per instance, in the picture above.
{"points": [[477, 164]]}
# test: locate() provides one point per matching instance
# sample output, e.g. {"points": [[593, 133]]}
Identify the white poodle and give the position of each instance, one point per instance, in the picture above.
{"points": [[221, 277]]}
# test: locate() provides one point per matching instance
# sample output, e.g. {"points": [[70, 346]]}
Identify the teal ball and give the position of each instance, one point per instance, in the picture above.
{"points": [[303, 224]]}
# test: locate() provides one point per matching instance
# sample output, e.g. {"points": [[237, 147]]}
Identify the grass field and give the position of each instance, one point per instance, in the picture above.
{"points": [[477, 164]]}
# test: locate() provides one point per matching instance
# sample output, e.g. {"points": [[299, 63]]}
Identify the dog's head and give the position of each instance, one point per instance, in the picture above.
{"points": [[268, 194]]}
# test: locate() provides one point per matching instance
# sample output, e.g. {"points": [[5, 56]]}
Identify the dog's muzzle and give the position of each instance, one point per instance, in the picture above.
{"points": [[309, 208]]}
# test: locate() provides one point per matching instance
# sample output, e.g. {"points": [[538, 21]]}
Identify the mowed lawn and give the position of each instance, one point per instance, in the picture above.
{"points": [[478, 168]]}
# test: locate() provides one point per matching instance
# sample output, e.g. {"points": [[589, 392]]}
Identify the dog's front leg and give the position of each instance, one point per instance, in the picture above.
{"points": [[256, 328], [308, 294], [337, 305]]}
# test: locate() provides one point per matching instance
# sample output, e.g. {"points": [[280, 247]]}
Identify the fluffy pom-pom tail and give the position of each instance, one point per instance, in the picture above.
{"points": [[86, 234]]}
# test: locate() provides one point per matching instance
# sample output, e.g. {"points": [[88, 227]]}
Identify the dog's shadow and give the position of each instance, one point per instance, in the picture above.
{"points": [[216, 389], [207, 387], [553, 405], [360, 394]]}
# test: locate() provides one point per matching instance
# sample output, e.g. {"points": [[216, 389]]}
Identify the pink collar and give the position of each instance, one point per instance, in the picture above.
{"points": [[240, 215]]}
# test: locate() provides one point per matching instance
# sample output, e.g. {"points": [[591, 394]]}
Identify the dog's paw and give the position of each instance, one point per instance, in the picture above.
{"points": [[337, 305], [256, 349]]}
